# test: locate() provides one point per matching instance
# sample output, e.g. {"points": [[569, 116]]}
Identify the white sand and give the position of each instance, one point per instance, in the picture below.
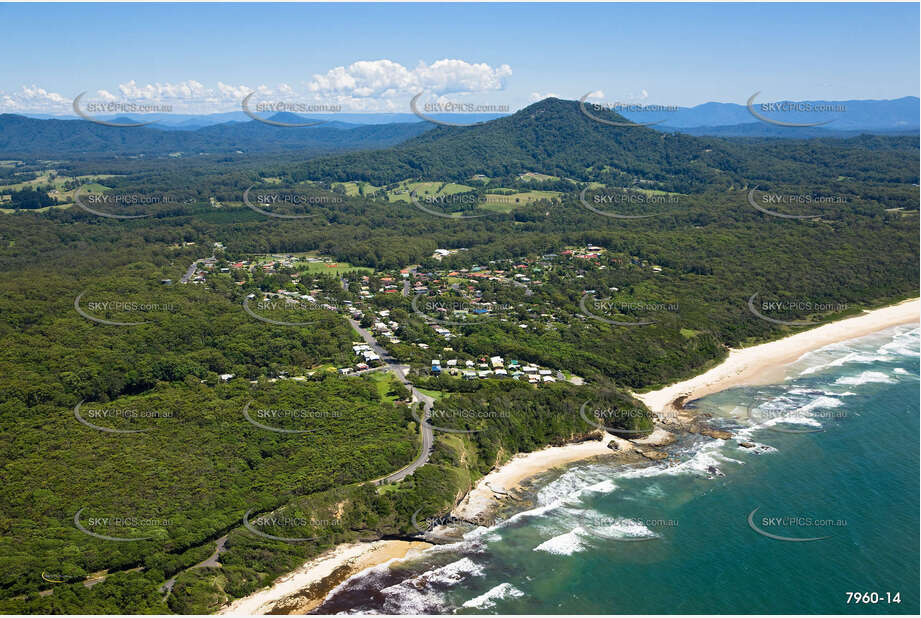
{"points": [[488, 490], [358, 556], [765, 363], [760, 364]]}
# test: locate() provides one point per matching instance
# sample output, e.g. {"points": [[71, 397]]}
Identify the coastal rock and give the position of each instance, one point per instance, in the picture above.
{"points": [[652, 454], [747, 444], [659, 437], [589, 436], [717, 434]]}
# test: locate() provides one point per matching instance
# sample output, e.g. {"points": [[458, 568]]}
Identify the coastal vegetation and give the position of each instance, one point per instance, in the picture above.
{"points": [[661, 299]]}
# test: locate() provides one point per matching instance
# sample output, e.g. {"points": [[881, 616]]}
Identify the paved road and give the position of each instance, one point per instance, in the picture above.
{"points": [[527, 291], [428, 435], [209, 562], [407, 286], [191, 270]]}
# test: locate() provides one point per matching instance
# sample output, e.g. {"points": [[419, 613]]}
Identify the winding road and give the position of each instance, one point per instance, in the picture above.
{"points": [[428, 435], [208, 563]]}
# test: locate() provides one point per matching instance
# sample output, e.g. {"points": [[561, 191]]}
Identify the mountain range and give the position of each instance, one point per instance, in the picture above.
{"points": [[554, 137], [22, 136], [712, 118]]}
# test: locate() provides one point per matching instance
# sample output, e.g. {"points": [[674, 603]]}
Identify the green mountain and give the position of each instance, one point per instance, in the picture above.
{"points": [[28, 137], [555, 137]]}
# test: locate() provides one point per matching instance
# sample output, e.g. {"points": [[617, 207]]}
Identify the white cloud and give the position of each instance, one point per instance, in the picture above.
{"points": [[537, 96], [387, 79], [33, 98], [363, 86]]}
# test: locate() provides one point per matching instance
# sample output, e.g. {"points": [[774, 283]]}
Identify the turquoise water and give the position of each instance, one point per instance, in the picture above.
{"points": [[837, 442]]}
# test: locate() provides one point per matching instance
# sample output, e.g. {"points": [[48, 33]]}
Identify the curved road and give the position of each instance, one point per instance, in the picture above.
{"points": [[428, 435], [210, 563]]}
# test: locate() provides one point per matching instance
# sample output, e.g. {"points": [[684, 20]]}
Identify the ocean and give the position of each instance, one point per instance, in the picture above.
{"points": [[819, 515]]}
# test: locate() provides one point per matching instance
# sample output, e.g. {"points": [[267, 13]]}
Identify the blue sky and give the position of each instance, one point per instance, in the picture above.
{"points": [[204, 57]]}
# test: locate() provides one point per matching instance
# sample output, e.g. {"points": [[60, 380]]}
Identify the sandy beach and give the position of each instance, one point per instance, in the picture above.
{"points": [[491, 489], [765, 363], [304, 589]]}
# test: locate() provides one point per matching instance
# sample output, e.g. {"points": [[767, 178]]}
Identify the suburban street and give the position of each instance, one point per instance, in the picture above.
{"points": [[191, 270]]}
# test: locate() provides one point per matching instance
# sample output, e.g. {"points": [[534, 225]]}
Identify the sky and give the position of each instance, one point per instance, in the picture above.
{"points": [[204, 58]]}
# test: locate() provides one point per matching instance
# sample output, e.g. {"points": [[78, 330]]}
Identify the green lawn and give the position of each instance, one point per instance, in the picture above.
{"points": [[330, 267]]}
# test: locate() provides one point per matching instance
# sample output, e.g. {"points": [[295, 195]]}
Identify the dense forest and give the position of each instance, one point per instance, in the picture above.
{"points": [[181, 374]]}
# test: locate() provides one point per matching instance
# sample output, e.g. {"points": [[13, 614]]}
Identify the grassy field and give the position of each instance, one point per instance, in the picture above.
{"points": [[506, 202], [401, 193], [537, 176], [8, 211], [331, 267], [352, 188], [66, 197], [45, 179], [436, 395], [301, 264]]}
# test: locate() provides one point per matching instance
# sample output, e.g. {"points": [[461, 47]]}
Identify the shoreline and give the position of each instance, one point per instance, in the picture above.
{"points": [[305, 588], [765, 363], [491, 490]]}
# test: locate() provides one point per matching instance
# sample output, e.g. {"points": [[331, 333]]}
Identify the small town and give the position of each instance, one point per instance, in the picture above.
{"points": [[376, 302]]}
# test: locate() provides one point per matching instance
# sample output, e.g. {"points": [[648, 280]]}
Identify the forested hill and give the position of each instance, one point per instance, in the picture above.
{"points": [[555, 137], [31, 137]]}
